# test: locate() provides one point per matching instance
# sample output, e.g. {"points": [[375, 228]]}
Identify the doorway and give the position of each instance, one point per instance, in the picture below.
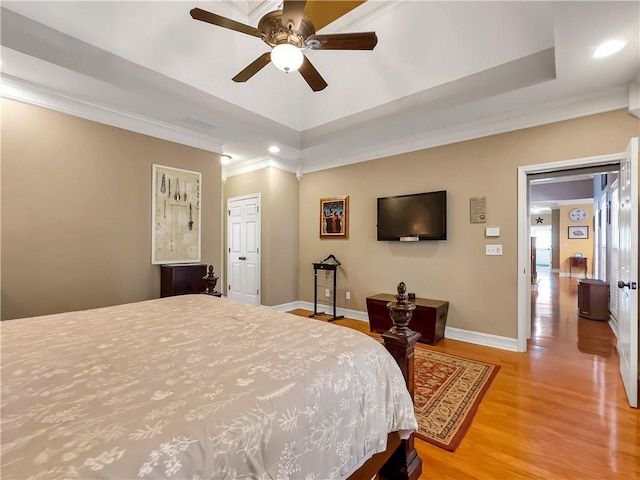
{"points": [[627, 336], [543, 235]]}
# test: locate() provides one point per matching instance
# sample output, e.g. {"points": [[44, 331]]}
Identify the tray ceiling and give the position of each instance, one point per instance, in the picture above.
{"points": [[439, 69]]}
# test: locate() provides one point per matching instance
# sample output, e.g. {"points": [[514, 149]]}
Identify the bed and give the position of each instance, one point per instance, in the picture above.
{"points": [[194, 387]]}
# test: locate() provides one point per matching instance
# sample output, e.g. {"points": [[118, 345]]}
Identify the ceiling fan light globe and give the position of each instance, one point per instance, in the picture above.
{"points": [[287, 57]]}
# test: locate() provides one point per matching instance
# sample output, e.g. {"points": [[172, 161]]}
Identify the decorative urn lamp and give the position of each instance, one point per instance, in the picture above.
{"points": [[401, 312]]}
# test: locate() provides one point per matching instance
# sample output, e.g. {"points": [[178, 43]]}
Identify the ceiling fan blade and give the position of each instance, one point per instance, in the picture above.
{"points": [[293, 11], [208, 17], [323, 12], [253, 68], [342, 41], [311, 76]]}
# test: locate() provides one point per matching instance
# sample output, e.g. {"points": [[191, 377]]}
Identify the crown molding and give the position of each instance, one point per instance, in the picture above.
{"points": [[634, 98], [249, 9], [261, 8], [566, 109], [575, 201], [357, 16], [254, 10], [574, 107], [23, 91], [255, 164]]}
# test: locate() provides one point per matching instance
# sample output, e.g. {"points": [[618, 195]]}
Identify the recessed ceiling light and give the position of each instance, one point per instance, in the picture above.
{"points": [[609, 48], [274, 149], [225, 159]]}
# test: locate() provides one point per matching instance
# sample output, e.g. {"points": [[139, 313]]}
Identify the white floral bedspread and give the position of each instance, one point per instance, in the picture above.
{"points": [[194, 387]]}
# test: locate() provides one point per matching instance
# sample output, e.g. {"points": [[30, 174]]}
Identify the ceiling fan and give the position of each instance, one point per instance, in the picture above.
{"points": [[288, 32]]}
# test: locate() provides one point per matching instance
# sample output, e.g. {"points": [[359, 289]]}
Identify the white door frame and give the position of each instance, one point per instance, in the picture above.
{"points": [[524, 223], [601, 241]]}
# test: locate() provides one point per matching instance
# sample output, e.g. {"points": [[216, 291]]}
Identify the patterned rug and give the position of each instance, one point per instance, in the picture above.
{"points": [[448, 390]]}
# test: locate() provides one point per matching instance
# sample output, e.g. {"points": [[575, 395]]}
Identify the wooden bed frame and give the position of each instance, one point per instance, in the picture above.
{"points": [[399, 461]]}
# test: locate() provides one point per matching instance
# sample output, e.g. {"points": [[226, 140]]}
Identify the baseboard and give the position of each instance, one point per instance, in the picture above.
{"points": [[613, 324], [484, 339], [354, 314], [286, 307], [574, 275], [477, 338]]}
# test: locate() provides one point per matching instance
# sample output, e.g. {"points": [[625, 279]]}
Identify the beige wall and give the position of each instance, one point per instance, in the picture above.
{"points": [[482, 289], [279, 225], [570, 246], [76, 216], [76, 211]]}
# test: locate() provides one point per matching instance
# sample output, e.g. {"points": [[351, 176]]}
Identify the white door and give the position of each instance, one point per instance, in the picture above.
{"points": [[628, 272], [243, 249], [543, 244]]}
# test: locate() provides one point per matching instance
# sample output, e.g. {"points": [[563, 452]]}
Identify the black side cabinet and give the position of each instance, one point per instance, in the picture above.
{"points": [[182, 278]]}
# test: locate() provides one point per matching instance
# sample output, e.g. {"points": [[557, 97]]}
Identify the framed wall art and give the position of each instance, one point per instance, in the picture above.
{"points": [[579, 232], [175, 211], [334, 217]]}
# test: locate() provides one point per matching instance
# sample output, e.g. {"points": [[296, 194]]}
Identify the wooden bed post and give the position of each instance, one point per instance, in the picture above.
{"points": [[400, 341]]}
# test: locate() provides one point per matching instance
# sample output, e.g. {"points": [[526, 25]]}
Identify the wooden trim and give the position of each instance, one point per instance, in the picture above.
{"points": [[372, 466]]}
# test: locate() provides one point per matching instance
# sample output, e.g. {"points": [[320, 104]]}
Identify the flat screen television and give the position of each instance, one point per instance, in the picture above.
{"points": [[415, 217]]}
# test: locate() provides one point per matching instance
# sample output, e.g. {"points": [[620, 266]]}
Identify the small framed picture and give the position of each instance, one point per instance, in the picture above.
{"points": [[579, 232], [334, 217]]}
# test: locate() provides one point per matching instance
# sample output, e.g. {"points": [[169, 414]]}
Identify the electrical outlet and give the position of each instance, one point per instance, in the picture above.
{"points": [[348, 295], [493, 249], [327, 292]]}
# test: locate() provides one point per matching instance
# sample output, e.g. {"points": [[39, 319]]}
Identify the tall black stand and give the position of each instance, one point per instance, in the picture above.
{"points": [[330, 263]]}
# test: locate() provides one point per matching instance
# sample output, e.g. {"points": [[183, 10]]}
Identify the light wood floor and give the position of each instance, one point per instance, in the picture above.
{"points": [[556, 412]]}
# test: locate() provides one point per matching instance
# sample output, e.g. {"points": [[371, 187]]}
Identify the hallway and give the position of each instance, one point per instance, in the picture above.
{"points": [[556, 325]]}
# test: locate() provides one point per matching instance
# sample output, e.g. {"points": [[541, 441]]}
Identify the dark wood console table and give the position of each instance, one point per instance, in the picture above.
{"points": [[429, 317], [578, 262]]}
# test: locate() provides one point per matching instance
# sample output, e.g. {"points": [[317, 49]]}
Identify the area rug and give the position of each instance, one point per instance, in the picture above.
{"points": [[448, 390]]}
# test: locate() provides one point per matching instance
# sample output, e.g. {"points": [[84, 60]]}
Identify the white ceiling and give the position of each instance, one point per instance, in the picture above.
{"points": [[441, 72]]}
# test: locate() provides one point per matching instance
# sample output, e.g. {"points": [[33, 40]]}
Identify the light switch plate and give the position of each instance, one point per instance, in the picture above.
{"points": [[493, 249], [492, 231]]}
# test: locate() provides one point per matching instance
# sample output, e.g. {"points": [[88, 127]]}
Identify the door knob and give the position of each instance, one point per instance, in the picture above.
{"points": [[244, 258], [621, 284]]}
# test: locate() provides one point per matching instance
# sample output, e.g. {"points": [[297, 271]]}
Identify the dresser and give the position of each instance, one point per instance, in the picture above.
{"points": [[429, 318], [182, 278]]}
